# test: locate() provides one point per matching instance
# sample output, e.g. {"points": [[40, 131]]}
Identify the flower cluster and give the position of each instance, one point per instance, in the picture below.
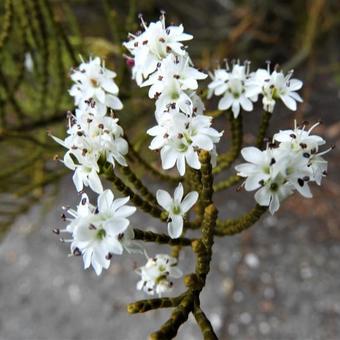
{"points": [[155, 274], [93, 135], [289, 163], [240, 88], [99, 232], [161, 62]]}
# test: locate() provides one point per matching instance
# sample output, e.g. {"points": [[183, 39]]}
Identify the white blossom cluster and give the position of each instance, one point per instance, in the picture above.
{"points": [[156, 274], [99, 232], [161, 61], [289, 163], [240, 88], [92, 134]]}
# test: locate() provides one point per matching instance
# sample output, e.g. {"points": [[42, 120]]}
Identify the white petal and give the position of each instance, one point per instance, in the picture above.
{"points": [[181, 164], [105, 200], [175, 227], [95, 183], [225, 102], [289, 102], [169, 157], [262, 196], [178, 194], [252, 154], [164, 199], [189, 200], [78, 180]]}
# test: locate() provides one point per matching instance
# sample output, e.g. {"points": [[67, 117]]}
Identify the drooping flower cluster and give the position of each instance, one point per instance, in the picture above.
{"points": [[99, 232], [156, 274], [289, 163], [240, 88], [161, 62], [92, 134]]}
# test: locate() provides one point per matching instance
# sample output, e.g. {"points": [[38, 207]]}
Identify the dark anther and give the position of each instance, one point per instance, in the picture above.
{"points": [[301, 182], [162, 40], [83, 201], [108, 256], [92, 227], [303, 145], [292, 135], [76, 252], [272, 161], [101, 126], [306, 155], [306, 178]]}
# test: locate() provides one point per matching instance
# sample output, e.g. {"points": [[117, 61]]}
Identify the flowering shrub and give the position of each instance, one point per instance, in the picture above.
{"points": [[97, 147]]}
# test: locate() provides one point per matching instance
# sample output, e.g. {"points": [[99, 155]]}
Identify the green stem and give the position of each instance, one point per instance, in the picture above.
{"points": [[137, 200], [236, 128], [236, 226], [264, 124], [146, 305], [203, 323], [149, 236]]}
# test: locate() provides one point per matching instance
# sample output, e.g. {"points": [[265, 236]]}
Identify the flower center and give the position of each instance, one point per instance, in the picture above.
{"points": [[274, 187], [101, 233], [94, 82], [176, 210]]}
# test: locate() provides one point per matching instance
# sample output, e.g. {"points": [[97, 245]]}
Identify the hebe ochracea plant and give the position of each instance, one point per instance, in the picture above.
{"points": [[97, 147]]}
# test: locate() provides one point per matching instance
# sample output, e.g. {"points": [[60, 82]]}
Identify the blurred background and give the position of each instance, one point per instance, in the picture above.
{"points": [[279, 280]]}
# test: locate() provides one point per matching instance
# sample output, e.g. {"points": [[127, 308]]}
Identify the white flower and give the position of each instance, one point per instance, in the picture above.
{"points": [[91, 137], [176, 207], [94, 87], [290, 163], [299, 139], [273, 192], [233, 86], [153, 45], [274, 86], [85, 173], [174, 69], [97, 233], [259, 169], [180, 137], [156, 274]]}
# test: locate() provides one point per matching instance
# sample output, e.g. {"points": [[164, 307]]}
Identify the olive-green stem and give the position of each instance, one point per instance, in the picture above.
{"points": [[137, 184], [203, 323], [227, 183], [236, 129], [206, 178], [136, 199], [146, 305], [260, 139], [7, 23], [179, 315], [149, 236], [236, 226]]}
